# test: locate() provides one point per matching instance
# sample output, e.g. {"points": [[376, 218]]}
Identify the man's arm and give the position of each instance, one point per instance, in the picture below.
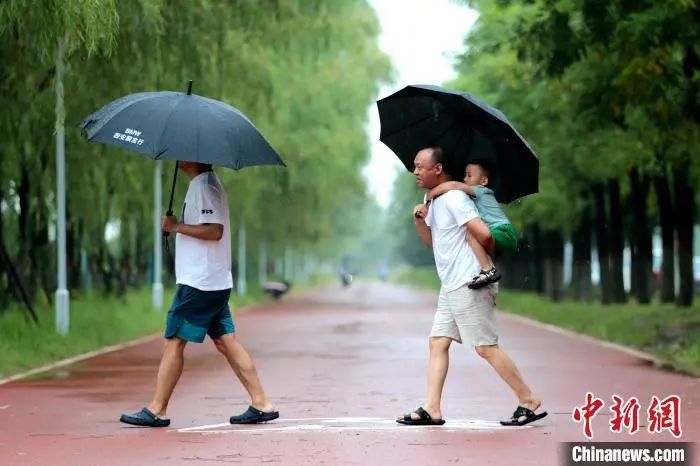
{"points": [[419, 213], [204, 231]]}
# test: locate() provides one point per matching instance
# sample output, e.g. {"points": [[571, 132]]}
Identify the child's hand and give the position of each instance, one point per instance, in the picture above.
{"points": [[420, 211]]}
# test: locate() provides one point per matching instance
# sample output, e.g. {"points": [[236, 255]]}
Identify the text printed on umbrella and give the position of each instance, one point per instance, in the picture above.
{"points": [[129, 135]]}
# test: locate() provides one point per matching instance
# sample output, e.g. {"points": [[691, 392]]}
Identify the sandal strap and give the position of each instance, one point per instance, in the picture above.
{"points": [[521, 411], [422, 414]]}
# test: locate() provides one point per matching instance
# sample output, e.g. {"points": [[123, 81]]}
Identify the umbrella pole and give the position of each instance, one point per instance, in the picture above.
{"points": [[166, 234], [177, 163], [172, 189]]}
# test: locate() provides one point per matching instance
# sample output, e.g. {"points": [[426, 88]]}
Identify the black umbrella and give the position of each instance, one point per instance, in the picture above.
{"points": [[422, 116], [179, 126]]}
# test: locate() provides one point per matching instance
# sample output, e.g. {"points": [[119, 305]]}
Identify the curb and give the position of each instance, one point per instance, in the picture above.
{"points": [[117, 347], [651, 358], [80, 357]]}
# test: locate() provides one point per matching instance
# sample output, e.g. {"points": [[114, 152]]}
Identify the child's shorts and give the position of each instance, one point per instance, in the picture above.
{"points": [[506, 239]]}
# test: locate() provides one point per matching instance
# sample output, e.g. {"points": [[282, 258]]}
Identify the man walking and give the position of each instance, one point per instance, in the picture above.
{"points": [[200, 307], [463, 314]]}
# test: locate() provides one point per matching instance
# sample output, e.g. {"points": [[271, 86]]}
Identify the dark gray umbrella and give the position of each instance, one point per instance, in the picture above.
{"points": [[422, 116], [179, 126]]}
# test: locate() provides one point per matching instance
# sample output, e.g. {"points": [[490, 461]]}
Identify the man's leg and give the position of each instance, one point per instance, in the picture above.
{"points": [[168, 374], [437, 373], [242, 364], [506, 368]]}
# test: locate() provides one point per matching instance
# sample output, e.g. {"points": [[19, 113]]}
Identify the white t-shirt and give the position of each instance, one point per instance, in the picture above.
{"points": [[204, 264], [447, 218]]}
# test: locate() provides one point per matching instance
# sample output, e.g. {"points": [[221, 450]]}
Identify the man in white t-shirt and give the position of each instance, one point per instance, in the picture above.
{"points": [[463, 314], [200, 307]]}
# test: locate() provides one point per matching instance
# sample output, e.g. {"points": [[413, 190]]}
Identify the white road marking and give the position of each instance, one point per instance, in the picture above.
{"points": [[339, 424]]}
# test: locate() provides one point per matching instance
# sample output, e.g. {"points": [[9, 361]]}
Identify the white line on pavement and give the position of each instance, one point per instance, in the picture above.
{"points": [[339, 424]]}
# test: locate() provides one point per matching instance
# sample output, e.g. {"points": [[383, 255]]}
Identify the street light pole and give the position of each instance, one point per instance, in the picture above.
{"points": [[157, 237], [241, 288], [62, 296]]}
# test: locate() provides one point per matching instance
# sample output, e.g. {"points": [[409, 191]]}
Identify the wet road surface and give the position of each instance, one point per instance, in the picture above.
{"points": [[339, 364]]}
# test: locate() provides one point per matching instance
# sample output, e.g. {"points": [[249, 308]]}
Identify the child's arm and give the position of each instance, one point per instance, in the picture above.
{"points": [[441, 189]]}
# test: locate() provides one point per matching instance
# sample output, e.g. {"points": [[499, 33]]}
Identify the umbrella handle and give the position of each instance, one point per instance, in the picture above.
{"points": [[172, 193]]}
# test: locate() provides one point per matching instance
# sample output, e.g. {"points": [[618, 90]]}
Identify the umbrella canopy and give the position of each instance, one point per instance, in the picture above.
{"points": [[468, 129], [180, 126]]}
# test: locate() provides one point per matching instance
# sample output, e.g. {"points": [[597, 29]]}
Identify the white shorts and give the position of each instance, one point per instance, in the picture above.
{"points": [[467, 315]]}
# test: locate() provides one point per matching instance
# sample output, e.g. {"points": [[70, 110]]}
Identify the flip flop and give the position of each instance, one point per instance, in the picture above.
{"points": [[424, 419], [144, 418], [254, 416], [522, 416]]}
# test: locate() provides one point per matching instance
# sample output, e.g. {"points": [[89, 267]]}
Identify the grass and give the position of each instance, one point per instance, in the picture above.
{"points": [[670, 332], [96, 321]]}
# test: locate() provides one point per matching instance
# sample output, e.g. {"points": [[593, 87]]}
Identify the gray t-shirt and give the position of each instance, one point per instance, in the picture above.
{"points": [[488, 207]]}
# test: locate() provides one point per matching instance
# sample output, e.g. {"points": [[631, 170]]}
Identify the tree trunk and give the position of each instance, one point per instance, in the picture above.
{"points": [[35, 262], [72, 251], [602, 243], [641, 238], [685, 216], [554, 260], [663, 197], [581, 267], [4, 278], [522, 264], [41, 258], [537, 263], [24, 267], [617, 243]]}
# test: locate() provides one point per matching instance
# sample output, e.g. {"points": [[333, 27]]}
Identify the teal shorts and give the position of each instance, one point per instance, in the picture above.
{"points": [[506, 239], [196, 313]]}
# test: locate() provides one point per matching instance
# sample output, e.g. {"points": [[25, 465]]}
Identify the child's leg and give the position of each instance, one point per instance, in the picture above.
{"points": [[480, 253], [479, 231], [482, 243]]}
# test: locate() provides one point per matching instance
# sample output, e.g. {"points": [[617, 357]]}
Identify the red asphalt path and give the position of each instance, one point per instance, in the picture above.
{"points": [[339, 364]]}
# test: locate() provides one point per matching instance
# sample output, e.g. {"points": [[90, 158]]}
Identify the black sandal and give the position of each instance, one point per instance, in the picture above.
{"points": [[485, 277], [523, 416], [424, 419], [144, 418], [254, 416]]}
